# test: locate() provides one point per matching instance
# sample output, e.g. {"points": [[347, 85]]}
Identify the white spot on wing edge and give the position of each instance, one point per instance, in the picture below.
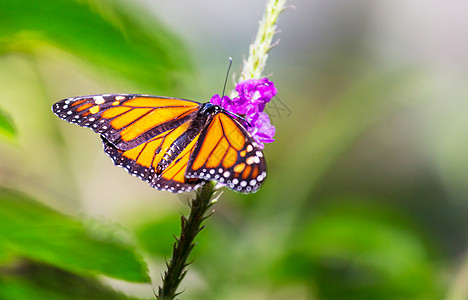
{"points": [[98, 100]]}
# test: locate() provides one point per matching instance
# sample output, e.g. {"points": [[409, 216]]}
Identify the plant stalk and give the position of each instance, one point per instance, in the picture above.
{"points": [[190, 227], [263, 43]]}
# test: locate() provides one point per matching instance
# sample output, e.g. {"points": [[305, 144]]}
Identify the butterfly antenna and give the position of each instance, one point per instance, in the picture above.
{"points": [[227, 75]]}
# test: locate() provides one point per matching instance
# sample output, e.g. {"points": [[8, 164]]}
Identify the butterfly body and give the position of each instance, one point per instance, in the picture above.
{"points": [[173, 144], [204, 115]]}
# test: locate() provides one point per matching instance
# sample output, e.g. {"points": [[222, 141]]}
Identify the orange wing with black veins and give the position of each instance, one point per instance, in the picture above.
{"points": [[126, 120], [142, 161], [227, 153]]}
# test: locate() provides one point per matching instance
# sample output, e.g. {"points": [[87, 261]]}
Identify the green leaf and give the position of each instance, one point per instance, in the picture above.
{"points": [[7, 128], [361, 251], [29, 280], [33, 230], [124, 39]]}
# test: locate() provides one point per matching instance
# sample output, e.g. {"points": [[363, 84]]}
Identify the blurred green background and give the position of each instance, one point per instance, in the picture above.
{"points": [[367, 190]]}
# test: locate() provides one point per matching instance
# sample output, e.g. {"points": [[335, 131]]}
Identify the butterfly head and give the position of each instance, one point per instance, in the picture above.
{"points": [[209, 108], [213, 109]]}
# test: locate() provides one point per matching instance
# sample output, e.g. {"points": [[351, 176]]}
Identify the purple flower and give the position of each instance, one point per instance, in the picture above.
{"points": [[261, 128], [224, 102], [253, 94]]}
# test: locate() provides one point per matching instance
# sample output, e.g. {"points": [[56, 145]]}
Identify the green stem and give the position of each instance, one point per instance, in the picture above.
{"points": [[177, 266]]}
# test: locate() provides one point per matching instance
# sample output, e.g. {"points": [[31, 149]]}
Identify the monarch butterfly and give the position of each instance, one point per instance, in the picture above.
{"points": [[173, 144]]}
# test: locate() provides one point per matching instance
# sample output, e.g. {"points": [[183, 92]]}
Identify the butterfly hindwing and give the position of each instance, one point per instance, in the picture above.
{"points": [[142, 161], [227, 153], [126, 120]]}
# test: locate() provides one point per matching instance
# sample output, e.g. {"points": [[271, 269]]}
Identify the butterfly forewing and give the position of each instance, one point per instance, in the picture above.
{"points": [[227, 153], [126, 120]]}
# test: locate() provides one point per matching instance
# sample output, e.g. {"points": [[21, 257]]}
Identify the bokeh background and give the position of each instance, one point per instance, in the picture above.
{"points": [[367, 190]]}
